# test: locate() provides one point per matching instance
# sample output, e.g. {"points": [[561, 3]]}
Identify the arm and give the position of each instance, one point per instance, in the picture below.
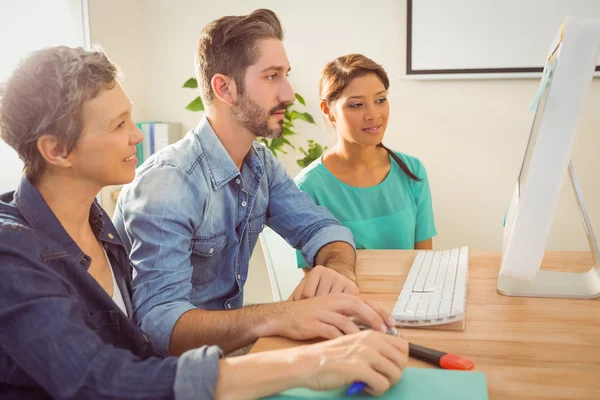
{"points": [[425, 224], [67, 358], [424, 245], [323, 241], [338, 256], [371, 357], [325, 317]]}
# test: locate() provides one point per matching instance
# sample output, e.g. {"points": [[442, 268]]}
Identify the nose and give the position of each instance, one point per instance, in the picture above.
{"points": [[136, 135], [286, 94], [372, 113]]}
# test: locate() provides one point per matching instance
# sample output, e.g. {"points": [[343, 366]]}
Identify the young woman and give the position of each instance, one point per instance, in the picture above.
{"points": [[66, 322], [383, 196]]}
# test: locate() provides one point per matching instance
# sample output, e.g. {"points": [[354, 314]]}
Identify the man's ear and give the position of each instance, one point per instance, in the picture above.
{"points": [[224, 88], [327, 112], [53, 152]]}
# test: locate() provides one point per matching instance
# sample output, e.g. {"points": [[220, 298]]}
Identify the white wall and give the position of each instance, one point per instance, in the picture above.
{"points": [[117, 26], [471, 135]]}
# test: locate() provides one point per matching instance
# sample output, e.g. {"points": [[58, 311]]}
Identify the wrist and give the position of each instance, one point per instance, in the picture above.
{"points": [[272, 324], [342, 269], [279, 371]]}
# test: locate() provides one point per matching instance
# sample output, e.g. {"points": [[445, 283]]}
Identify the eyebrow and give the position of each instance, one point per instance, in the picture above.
{"points": [[115, 119], [275, 68], [360, 97]]}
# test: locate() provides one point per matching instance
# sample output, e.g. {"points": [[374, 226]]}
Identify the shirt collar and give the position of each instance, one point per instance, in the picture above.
{"points": [[221, 167], [37, 213]]}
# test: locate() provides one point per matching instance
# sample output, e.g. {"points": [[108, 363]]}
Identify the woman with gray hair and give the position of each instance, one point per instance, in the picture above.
{"points": [[66, 322]]}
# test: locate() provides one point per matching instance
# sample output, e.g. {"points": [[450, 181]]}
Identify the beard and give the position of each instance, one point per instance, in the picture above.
{"points": [[252, 117]]}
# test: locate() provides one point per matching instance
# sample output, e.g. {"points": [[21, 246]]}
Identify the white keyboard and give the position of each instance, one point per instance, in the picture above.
{"points": [[435, 290]]}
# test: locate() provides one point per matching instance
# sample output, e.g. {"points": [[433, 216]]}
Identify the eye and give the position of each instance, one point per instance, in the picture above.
{"points": [[121, 125], [381, 100], [272, 77], [355, 105]]}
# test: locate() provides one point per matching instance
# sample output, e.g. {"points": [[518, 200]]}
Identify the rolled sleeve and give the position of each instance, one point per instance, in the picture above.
{"points": [[159, 236], [159, 322], [327, 234], [197, 373], [294, 215]]}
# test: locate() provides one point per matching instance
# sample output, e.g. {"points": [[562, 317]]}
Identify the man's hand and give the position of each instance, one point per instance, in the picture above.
{"points": [[321, 281], [326, 317]]}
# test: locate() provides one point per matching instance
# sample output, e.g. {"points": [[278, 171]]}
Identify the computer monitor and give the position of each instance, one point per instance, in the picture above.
{"points": [[567, 76]]}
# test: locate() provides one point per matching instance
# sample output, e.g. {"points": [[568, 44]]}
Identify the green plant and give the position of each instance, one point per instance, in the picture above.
{"points": [[278, 144], [314, 151]]}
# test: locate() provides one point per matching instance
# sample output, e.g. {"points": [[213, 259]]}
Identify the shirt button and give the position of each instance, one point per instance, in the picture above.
{"points": [[238, 181], [111, 236], [212, 250], [244, 204], [239, 276], [228, 305]]}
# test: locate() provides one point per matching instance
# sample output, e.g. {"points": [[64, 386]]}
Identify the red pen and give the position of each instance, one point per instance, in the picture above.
{"points": [[439, 358]]}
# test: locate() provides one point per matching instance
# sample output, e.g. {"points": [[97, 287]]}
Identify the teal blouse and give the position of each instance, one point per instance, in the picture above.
{"points": [[394, 214]]}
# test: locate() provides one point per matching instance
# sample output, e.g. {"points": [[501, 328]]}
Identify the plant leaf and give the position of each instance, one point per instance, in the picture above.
{"points": [[287, 132], [300, 99], [191, 83], [303, 116], [284, 140], [308, 118], [195, 105]]}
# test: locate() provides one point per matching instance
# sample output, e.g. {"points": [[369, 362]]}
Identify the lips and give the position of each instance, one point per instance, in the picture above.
{"points": [[372, 129], [130, 158]]}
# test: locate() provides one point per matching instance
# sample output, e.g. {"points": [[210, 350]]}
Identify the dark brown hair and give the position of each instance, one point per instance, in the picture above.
{"points": [[45, 95], [338, 74], [229, 45]]}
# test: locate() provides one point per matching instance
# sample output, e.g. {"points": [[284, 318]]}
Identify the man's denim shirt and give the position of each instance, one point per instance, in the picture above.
{"points": [[61, 335], [191, 220]]}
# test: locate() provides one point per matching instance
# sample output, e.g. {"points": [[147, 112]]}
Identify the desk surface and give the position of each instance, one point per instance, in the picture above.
{"points": [[529, 348]]}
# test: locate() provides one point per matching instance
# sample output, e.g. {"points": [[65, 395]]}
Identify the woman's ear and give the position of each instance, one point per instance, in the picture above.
{"points": [[327, 112], [53, 152], [224, 88]]}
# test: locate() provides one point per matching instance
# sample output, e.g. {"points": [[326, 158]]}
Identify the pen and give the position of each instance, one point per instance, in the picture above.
{"points": [[435, 357]]}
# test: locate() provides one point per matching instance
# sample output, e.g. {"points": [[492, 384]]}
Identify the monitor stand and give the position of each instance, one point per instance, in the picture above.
{"points": [[583, 285]]}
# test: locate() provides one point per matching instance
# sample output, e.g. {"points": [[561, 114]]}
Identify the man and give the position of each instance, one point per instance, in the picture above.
{"points": [[193, 214]]}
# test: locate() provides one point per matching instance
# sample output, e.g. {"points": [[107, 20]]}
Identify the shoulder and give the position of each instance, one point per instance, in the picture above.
{"points": [[185, 154], [313, 175], [18, 240], [413, 163], [165, 176]]}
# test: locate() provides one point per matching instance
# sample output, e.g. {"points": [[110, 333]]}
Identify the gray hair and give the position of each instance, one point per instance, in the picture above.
{"points": [[45, 96]]}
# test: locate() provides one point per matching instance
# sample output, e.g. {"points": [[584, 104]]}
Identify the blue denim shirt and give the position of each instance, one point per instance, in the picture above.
{"points": [[61, 335], [191, 220]]}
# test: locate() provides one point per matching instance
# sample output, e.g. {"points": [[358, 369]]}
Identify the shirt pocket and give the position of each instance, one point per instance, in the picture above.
{"points": [[256, 224], [207, 252]]}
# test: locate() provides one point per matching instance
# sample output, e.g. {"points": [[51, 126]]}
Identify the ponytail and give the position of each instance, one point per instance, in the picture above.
{"points": [[401, 163]]}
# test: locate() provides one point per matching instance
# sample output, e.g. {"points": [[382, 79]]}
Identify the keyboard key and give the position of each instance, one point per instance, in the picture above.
{"points": [[424, 270], [421, 313], [430, 285]]}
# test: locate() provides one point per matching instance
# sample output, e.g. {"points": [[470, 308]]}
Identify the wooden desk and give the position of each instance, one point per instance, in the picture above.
{"points": [[529, 348]]}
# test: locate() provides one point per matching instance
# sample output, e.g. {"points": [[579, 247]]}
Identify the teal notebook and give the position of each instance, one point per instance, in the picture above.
{"points": [[416, 383]]}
